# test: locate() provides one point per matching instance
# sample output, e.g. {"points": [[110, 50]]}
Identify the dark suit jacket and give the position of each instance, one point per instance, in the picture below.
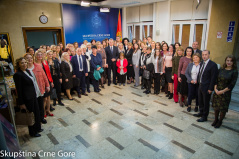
{"points": [[75, 65], [109, 55], [199, 51], [25, 87], [209, 76], [128, 56]]}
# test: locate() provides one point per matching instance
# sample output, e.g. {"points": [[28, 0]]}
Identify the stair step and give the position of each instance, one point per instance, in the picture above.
{"points": [[234, 106], [235, 99]]}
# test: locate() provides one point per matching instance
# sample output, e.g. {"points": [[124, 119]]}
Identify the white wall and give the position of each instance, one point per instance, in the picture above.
{"points": [[146, 13], [139, 13], [162, 18], [186, 10], [163, 13]]}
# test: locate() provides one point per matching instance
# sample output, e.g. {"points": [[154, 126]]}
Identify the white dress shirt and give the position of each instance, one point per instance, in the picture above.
{"points": [[205, 65], [78, 58]]}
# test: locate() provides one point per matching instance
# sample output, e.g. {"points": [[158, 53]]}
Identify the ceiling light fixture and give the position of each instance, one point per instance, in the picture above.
{"points": [[85, 3], [104, 9]]}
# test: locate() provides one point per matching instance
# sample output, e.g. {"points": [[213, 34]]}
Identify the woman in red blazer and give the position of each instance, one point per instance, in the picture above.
{"points": [[122, 64]]}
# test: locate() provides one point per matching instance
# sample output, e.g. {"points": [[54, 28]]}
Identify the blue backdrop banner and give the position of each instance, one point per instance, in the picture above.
{"points": [[87, 23]]}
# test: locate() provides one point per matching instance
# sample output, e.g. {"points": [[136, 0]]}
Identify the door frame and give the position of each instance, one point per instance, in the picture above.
{"points": [[141, 24], [59, 29]]}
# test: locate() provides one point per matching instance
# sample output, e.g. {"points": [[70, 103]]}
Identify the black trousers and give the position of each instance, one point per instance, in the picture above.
{"points": [[113, 68], [192, 92], [87, 81], [82, 83], [57, 86], [94, 82], [40, 101], [147, 83], [121, 78], [32, 106], [157, 78], [204, 102]]}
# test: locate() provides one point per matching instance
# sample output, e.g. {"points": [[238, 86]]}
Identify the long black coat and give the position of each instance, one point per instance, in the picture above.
{"points": [[66, 74]]}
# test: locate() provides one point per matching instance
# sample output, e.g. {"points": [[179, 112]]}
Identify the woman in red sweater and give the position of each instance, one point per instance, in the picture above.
{"points": [[122, 64], [47, 95]]}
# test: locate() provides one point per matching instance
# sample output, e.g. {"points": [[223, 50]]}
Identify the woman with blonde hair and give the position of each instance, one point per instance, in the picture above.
{"points": [[42, 81], [41, 62], [55, 73], [47, 96], [175, 63], [121, 47], [66, 70], [101, 51], [53, 47]]}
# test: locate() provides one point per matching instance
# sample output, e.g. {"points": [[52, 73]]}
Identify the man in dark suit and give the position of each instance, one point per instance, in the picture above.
{"points": [[195, 48], [80, 70], [112, 54], [206, 78]]}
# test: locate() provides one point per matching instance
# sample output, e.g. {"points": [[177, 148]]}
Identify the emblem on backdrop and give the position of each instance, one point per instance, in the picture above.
{"points": [[96, 21]]}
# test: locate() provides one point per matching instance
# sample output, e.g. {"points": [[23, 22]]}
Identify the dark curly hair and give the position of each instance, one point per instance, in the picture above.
{"points": [[17, 66], [234, 61]]}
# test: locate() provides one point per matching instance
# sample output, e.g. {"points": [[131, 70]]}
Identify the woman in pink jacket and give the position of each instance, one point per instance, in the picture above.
{"points": [[122, 64]]}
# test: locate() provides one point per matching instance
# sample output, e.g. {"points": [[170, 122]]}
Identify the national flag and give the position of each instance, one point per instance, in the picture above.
{"points": [[119, 29]]}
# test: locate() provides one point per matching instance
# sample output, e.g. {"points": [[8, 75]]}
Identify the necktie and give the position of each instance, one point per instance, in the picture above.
{"points": [[80, 62], [201, 72], [111, 49]]}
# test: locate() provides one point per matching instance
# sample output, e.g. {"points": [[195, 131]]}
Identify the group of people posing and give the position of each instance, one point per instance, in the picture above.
{"points": [[183, 74]]}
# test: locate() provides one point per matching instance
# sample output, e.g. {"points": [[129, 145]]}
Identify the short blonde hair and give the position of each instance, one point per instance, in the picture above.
{"points": [[36, 54], [63, 55], [83, 46], [180, 48], [49, 51], [130, 44]]}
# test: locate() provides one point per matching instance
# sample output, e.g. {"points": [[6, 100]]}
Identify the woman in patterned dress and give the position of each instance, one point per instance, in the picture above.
{"points": [[226, 80]]}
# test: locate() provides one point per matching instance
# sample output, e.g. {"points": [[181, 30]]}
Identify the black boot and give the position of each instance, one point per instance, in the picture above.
{"points": [[54, 102], [170, 96]]}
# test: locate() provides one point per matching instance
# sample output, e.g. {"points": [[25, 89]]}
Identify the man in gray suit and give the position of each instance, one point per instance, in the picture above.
{"points": [[195, 48]]}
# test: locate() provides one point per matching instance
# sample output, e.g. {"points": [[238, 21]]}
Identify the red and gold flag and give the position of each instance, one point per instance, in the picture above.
{"points": [[119, 29]]}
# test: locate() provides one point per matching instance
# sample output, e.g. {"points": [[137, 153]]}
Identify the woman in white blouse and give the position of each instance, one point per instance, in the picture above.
{"points": [[191, 74]]}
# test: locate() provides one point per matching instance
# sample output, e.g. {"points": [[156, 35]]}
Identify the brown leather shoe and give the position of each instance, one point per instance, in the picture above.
{"points": [[79, 95], [85, 94]]}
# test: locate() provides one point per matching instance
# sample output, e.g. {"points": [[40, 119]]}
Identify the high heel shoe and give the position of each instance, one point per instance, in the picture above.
{"points": [[218, 125], [49, 114]]}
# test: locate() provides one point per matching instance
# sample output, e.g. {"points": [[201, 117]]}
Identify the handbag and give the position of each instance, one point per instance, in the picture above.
{"points": [[53, 94], [24, 118], [146, 74]]}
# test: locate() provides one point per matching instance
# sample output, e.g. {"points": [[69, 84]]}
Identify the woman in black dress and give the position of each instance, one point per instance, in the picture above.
{"points": [[66, 70], [130, 69], [55, 73], [226, 80], [27, 94]]}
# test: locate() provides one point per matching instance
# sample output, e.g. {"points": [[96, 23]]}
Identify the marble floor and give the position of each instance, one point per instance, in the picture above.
{"points": [[121, 122]]}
